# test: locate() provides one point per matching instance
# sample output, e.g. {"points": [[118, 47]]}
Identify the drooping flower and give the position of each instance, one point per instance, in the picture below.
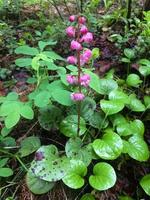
{"points": [[82, 20], [76, 45], [77, 96], [71, 79], [72, 60], [85, 80], [87, 54], [70, 31], [72, 18], [87, 38], [83, 29]]}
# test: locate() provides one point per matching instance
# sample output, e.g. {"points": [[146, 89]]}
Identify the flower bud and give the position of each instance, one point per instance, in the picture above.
{"points": [[87, 38], [87, 54], [76, 45], [85, 80], [82, 20], [71, 79], [70, 31], [72, 18], [77, 96], [83, 30], [72, 60]]}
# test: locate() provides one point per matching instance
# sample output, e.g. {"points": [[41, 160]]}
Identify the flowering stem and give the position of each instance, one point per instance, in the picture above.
{"points": [[79, 75]]}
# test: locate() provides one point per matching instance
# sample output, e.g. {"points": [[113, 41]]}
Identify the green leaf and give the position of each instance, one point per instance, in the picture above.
{"points": [[125, 198], [76, 172], [69, 126], [48, 165], [129, 53], [137, 148], [9, 107], [119, 95], [88, 105], [3, 162], [29, 145], [87, 196], [133, 80], [109, 147], [42, 99], [107, 85], [26, 50], [104, 176], [117, 119], [52, 55], [5, 131], [145, 184], [94, 82], [95, 53], [112, 106], [6, 172], [62, 96], [23, 62], [42, 44], [144, 68], [75, 150], [135, 104], [50, 117], [125, 60], [26, 112], [147, 101], [12, 96], [38, 186], [97, 120], [12, 119]]}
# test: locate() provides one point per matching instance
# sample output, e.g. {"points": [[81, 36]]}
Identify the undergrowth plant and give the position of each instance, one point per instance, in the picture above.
{"points": [[99, 117]]}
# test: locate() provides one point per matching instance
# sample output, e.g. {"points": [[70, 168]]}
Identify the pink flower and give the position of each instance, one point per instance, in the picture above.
{"points": [[72, 60], [71, 79], [76, 45], [87, 38], [85, 80], [77, 96], [87, 54], [83, 30], [82, 20], [70, 31], [82, 60], [72, 18]]}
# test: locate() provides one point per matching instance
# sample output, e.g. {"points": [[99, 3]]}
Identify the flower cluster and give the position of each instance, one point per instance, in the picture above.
{"points": [[80, 35]]}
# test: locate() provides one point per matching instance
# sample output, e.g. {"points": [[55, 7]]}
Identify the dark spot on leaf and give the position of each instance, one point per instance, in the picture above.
{"points": [[55, 163], [39, 156]]}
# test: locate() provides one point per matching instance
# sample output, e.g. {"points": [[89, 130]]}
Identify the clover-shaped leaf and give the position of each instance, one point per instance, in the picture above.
{"points": [[104, 176]]}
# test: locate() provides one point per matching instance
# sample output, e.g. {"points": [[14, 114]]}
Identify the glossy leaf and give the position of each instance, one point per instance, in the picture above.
{"points": [[107, 85], [111, 106], [145, 184]]}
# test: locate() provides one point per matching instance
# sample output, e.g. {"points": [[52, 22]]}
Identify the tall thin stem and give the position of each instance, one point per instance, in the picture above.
{"points": [[79, 75]]}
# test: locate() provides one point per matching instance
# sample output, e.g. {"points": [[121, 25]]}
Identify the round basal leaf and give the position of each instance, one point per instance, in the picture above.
{"points": [[104, 176], [98, 120], [88, 105], [50, 117], [47, 164], [107, 85], [6, 172], [135, 104], [26, 111], [69, 126], [63, 97], [9, 107], [145, 184], [137, 148], [147, 101], [12, 119], [38, 186], [109, 147], [75, 150], [119, 95], [76, 172], [5, 131], [12, 96], [133, 80], [87, 196], [111, 106], [29, 145], [129, 53], [42, 99], [144, 70], [117, 119], [135, 127]]}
